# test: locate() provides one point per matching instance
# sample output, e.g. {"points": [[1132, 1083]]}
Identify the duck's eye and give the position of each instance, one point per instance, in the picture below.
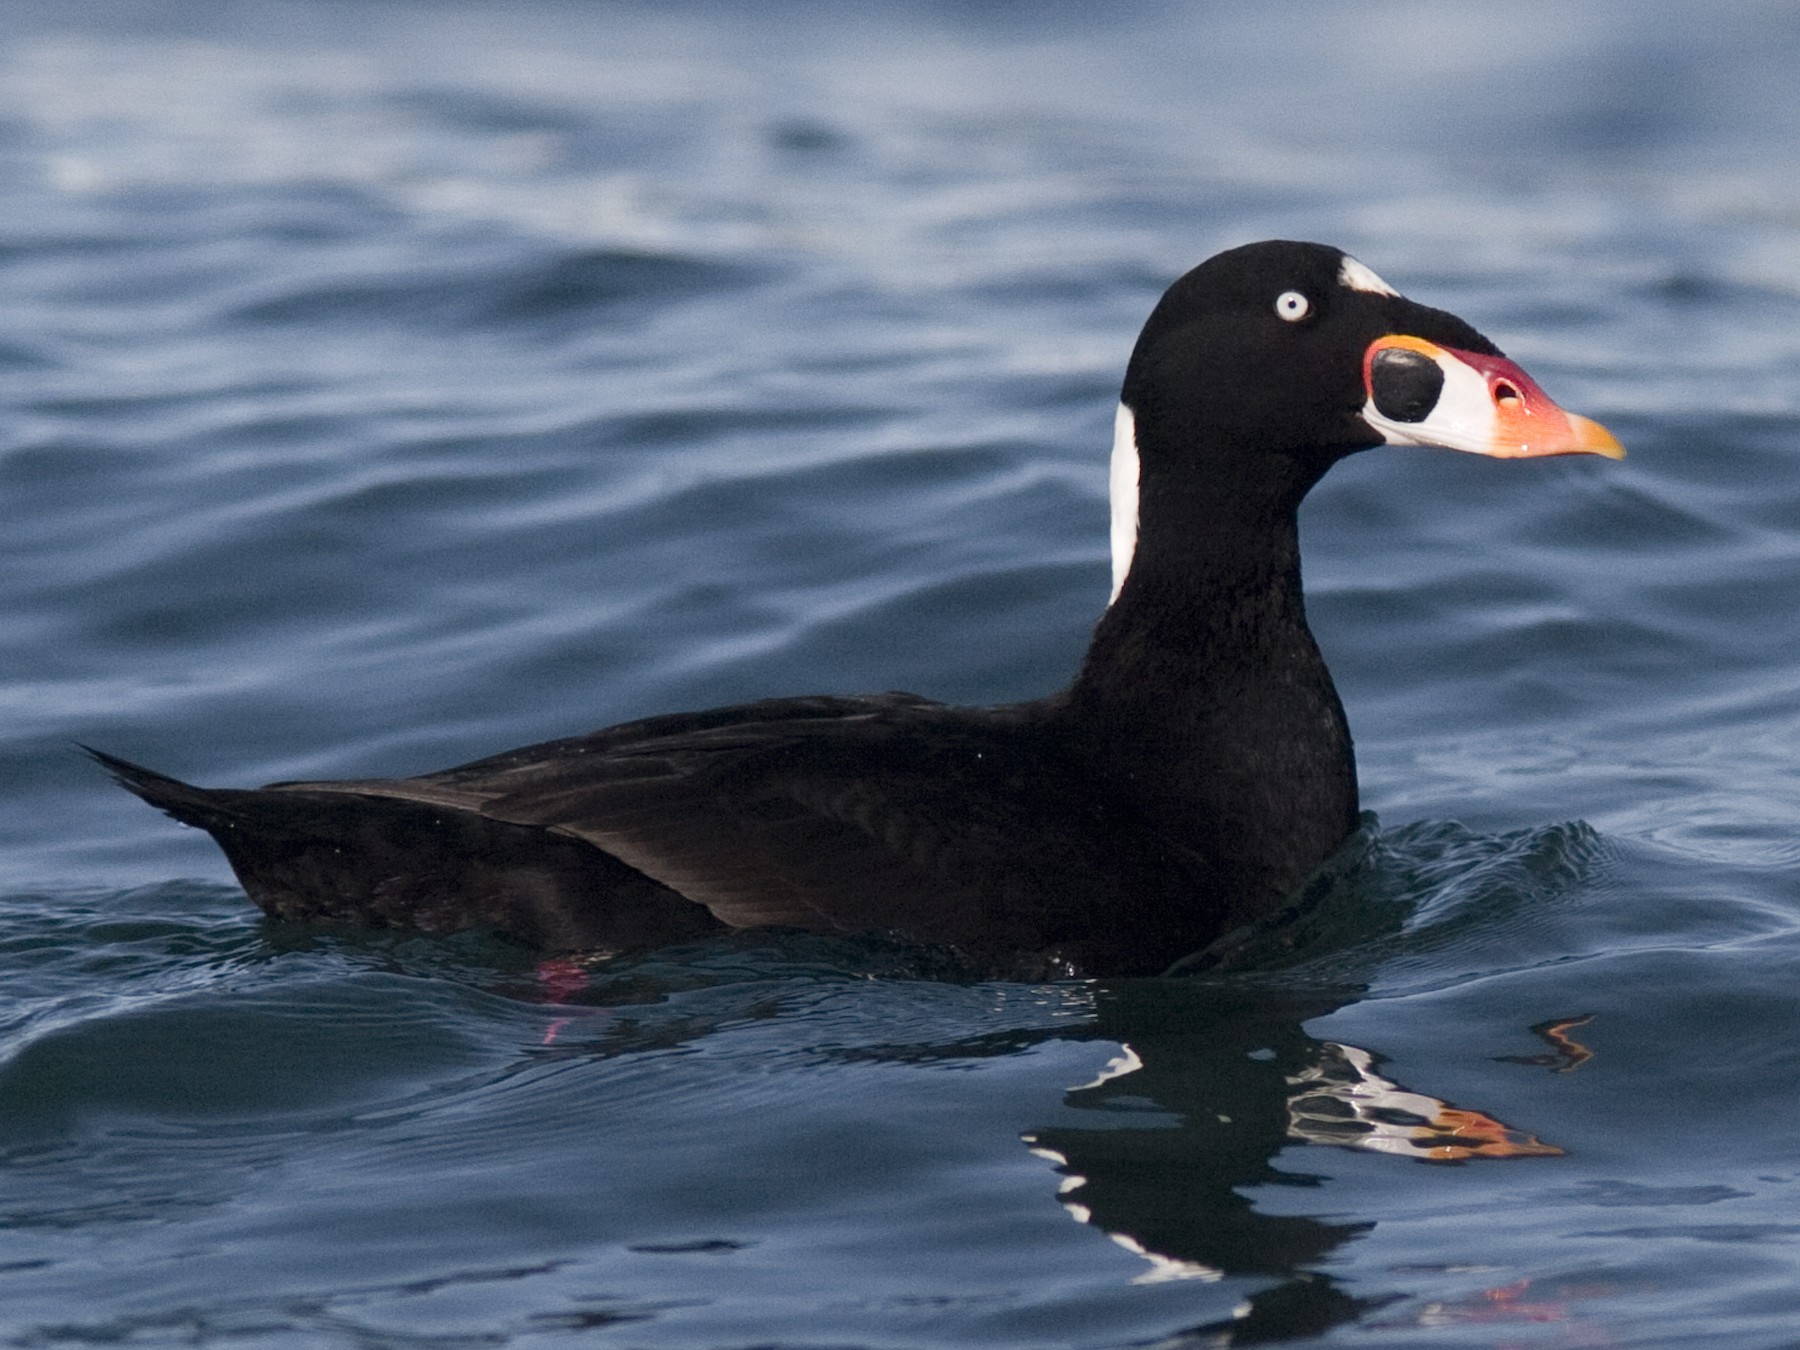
{"points": [[1292, 306]]}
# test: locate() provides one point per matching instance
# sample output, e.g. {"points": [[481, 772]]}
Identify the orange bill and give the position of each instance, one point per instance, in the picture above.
{"points": [[1422, 394]]}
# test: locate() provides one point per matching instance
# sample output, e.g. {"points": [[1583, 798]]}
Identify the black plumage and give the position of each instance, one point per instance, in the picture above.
{"points": [[1198, 768]]}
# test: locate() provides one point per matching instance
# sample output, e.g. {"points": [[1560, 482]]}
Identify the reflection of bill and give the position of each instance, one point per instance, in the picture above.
{"points": [[1338, 1100], [1342, 1100], [1170, 1150]]}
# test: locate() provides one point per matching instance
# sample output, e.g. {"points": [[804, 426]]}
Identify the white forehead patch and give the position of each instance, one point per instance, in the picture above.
{"points": [[1359, 277]]}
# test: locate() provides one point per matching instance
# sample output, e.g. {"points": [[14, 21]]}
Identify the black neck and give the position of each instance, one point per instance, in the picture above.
{"points": [[1204, 695]]}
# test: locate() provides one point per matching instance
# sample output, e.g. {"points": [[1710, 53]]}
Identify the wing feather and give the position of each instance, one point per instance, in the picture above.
{"points": [[841, 814]]}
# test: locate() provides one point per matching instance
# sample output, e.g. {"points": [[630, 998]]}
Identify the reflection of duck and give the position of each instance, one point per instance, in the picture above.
{"points": [[1198, 768], [1211, 1083], [1172, 1150]]}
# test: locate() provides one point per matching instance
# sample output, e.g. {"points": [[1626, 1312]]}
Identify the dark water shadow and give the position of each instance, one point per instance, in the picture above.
{"points": [[1187, 1119]]}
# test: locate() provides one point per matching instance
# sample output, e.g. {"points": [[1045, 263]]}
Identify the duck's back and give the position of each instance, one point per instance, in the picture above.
{"points": [[979, 828]]}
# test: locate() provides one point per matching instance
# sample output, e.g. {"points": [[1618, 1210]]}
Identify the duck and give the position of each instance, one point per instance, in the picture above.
{"points": [[1193, 774]]}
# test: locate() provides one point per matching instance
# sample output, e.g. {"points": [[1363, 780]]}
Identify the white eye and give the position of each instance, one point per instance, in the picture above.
{"points": [[1292, 306]]}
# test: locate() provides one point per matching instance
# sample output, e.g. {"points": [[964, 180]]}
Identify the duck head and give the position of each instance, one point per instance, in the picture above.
{"points": [[1266, 364]]}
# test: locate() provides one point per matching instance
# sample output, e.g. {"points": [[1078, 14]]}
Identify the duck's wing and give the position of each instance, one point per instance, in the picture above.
{"points": [[837, 814]]}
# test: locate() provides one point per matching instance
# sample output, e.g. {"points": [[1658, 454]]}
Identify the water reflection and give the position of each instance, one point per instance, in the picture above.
{"points": [[1212, 1083]]}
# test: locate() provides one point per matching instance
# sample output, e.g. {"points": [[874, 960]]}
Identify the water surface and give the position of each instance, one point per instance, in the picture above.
{"points": [[384, 385]]}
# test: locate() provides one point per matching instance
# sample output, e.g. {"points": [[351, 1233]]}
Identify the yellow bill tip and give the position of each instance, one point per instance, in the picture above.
{"points": [[1590, 438]]}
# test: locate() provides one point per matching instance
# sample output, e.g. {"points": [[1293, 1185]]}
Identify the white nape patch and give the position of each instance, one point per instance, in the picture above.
{"points": [[1122, 487], [1360, 277]]}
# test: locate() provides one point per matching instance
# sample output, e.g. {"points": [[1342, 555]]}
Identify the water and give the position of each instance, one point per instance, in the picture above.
{"points": [[384, 385]]}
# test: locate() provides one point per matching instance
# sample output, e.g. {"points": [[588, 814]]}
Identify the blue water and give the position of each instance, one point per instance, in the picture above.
{"points": [[386, 384]]}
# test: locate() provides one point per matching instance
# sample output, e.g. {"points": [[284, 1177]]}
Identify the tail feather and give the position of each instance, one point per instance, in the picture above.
{"points": [[185, 802], [393, 863]]}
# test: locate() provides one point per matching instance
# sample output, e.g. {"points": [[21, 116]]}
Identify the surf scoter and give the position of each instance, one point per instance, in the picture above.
{"points": [[1198, 768]]}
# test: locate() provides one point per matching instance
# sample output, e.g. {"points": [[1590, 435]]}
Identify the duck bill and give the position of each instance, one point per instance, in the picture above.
{"points": [[1419, 393]]}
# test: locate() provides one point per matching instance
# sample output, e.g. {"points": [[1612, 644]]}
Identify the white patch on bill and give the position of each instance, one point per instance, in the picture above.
{"points": [[1360, 277], [1122, 487], [1463, 418]]}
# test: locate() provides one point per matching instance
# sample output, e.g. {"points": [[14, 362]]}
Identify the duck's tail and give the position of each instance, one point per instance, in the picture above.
{"points": [[316, 855], [185, 802]]}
